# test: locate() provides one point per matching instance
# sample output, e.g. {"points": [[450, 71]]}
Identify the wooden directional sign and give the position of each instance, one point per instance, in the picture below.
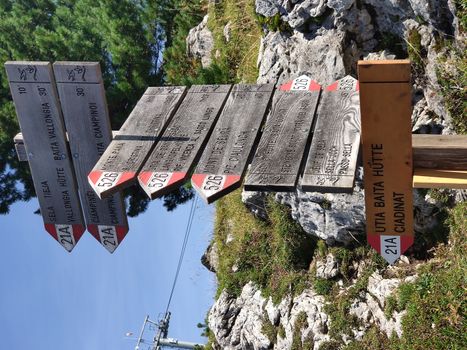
{"points": [[278, 159], [123, 159], [178, 150], [84, 107], [332, 160], [33, 89], [385, 102], [224, 160]]}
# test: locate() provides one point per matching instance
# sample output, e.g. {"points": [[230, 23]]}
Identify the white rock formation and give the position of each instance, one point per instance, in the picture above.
{"points": [[200, 42]]}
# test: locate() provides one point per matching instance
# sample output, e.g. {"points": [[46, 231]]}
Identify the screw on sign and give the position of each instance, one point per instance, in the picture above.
{"points": [[225, 158], [385, 102]]}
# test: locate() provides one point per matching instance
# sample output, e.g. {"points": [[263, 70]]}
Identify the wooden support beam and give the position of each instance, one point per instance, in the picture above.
{"points": [[447, 152], [436, 178]]}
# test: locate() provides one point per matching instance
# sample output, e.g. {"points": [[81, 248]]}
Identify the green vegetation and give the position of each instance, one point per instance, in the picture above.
{"points": [[238, 55], [125, 37], [300, 324], [452, 72], [415, 51], [452, 76], [233, 60], [269, 329], [274, 23], [275, 254]]}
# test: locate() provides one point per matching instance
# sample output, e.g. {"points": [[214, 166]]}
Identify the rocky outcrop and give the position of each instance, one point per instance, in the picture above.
{"points": [[369, 308], [239, 323], [243, 322], [200, 42], [324, 40]]}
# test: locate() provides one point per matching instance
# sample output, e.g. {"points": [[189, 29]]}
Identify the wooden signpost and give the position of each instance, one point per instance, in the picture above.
{"points": [[332, 160], [225, 158], [35, 97], [123, 159], [385, 102], [277, 162], [86, 116], [176, 153]]}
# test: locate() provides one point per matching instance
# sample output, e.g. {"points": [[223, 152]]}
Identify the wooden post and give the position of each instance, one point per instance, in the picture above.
{"points": [[34, 94], [84, 106], [385, 102], [278, 160], [176, 154], [224, 161]]}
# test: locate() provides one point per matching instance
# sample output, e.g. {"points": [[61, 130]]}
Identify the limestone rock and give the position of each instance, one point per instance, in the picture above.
{"points": [[200, 42], [267, 8], [370, 308], [304, 10], [328, 268], [334, 217], [340, 5], [210, 258], [285, 57], [237, 322]]}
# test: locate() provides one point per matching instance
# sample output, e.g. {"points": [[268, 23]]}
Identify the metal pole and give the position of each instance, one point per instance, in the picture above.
{"points": [[174, 343], [140, 338]]}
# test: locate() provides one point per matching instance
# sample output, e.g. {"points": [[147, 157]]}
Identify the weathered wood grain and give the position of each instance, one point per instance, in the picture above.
{"points": [[387, 158], [176, 154], [332, 160], [224, 160], [119, 165], [281, 150], [38, 110], [384, 71], [436, 178], [447, 152], [87, 120]]}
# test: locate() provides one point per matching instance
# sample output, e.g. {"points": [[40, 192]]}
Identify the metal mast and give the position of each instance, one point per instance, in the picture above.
{"points": [[161, 339]]}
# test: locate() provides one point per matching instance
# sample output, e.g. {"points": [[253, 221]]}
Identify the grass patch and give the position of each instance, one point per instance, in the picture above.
{"points": [[238, 56], [275, 255], [435, 304], [301, 322], [452, 76], [274, 23]]}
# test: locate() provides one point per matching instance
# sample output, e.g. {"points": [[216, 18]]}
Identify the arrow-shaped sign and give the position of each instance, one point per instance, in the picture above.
{"points": [[385, 102], [224, 160]]}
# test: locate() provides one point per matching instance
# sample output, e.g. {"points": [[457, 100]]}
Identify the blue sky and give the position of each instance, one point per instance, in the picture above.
{"points": [[89, 299]]}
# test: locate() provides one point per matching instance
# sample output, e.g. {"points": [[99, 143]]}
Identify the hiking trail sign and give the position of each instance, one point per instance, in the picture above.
{"points": [[225, 158], [123, 159], [177, 152], [310, 140], [35, 97], [332, 160], [84, 106], [279, 156], [386, 108]]}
